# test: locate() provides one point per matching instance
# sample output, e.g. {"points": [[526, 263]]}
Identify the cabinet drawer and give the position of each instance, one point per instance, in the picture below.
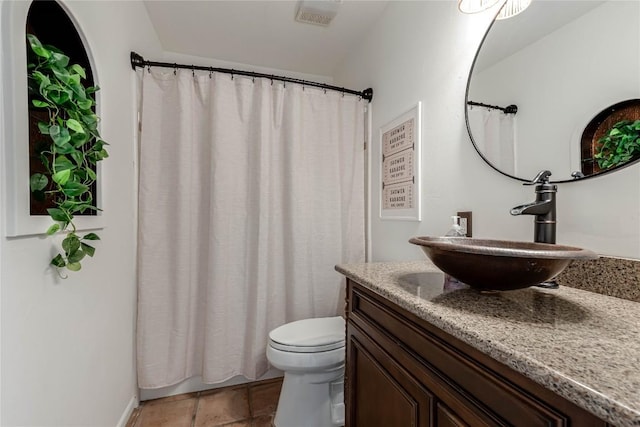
{"points": [[483, 389]]}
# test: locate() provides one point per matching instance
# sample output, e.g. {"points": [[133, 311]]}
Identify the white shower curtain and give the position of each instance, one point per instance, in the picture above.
{"points": [[250, 192], [494, 133]]}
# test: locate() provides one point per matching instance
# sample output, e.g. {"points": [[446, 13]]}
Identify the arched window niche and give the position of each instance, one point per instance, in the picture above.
{"points": [[24, 215]]}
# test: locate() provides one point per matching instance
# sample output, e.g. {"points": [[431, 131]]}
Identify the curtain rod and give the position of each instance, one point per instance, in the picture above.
{"points": [[509, 109], [138, 61]]}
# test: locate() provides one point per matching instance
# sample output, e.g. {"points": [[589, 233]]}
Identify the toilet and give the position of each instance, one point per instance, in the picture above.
{"points": [[311, 352]]}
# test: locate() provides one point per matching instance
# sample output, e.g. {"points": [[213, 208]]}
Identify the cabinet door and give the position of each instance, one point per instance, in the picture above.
{"points": [[446, 418], [470, 388], [379, 392]]}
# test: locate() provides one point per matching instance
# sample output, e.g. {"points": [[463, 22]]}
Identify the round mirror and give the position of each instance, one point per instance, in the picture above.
{"points": [[543, 80]]}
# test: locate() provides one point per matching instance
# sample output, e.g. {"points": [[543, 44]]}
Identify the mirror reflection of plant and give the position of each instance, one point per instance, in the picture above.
{"points": [[73, 148], [619, 145]]}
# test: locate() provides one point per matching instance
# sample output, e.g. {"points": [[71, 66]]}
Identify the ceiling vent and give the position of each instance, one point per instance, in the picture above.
{"points": [[317, 12]]}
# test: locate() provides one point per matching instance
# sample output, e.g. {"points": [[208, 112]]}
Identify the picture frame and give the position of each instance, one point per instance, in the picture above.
{"points": [[400, 167]]}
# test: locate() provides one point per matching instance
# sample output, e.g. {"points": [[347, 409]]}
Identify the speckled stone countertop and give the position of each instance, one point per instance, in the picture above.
{"points": [[582, 345]]}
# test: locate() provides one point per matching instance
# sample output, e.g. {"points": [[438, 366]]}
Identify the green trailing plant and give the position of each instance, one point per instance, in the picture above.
{"points": [[619, 145], [72, 149]]}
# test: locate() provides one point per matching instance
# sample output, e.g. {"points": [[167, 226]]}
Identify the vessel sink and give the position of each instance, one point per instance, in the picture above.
{"points": [[499, 264]]}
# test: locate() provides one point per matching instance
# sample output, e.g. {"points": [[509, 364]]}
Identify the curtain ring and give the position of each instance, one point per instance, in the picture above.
{"points": [[193, 70], [210, 72], [253, 79], [325, 90], [232, 74], [303, 88], [175, 68], [271, 79], [148, 68]]}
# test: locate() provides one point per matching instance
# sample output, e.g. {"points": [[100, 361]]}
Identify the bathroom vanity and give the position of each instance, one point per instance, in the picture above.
{"points": [[420, 353]]}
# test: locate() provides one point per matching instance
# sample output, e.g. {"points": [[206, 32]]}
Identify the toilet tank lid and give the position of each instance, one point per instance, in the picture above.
{"points": [[310, 332]]}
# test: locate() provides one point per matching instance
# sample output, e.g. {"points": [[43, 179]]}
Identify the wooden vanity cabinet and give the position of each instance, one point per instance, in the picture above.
{"points": [[402, 371]]}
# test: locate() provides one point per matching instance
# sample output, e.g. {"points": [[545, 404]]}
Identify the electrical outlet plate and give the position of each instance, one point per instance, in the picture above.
{"points": [[466, 223]]}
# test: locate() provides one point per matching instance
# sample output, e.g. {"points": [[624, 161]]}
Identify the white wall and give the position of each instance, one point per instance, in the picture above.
{"points": [[422, 51], [68, 345]]}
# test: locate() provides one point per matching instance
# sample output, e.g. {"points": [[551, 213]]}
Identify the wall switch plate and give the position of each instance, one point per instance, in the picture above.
{"points": [[466, 223]]}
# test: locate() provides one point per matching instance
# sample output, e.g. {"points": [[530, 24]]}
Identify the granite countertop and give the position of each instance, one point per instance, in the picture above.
{"points": [[582, 345]]}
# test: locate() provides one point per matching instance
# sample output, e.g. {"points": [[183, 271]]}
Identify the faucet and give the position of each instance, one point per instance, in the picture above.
{"points": [[544, 208]]}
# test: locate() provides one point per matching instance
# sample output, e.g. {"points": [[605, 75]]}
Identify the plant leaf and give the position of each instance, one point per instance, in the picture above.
{"points": [[74, 189], [91, 174], [54, 130], [78, 70], [71, 244], [53, 229], [90, 119], [40, 104], [75, 125], [59, 96], [57, 214], [91, 236], [38, 182], [74, 266], [37, 47], [61, 163], [61, 177], [77, 157], [66, 149], [58, 261], [88, 249], [43, 127], [62, 137], [59, 59], [39, 195], [79, 139], [85, 104], [76, 257]]}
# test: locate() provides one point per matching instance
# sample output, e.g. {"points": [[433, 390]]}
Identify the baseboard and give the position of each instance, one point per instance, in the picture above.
{"points": [[133, 404]]}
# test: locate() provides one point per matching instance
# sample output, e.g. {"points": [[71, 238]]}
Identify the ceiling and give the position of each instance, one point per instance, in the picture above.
{"points": [[540, 19], [262, 33]]}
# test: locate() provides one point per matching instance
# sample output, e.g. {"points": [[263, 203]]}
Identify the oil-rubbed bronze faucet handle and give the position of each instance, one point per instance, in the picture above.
{"points": [[541, 178]]}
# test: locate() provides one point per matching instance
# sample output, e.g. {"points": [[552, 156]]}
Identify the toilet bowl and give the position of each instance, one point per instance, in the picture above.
{"points": [[311, 352]]}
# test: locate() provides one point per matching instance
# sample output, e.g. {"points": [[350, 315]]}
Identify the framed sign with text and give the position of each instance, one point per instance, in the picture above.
{"points": [[400, 167]]}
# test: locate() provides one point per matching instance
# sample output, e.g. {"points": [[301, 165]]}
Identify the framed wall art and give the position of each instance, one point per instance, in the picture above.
{"points": [[400, 167]]}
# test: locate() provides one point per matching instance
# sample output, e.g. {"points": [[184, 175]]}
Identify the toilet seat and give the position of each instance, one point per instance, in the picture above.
{"points": [[309, 335]]}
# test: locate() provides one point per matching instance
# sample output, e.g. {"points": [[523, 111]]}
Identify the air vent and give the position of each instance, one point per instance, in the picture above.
{"points": [[317, 12]]}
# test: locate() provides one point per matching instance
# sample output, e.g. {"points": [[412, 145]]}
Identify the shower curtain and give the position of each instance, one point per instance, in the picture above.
{"points": [[250, 191], [494, 135]]}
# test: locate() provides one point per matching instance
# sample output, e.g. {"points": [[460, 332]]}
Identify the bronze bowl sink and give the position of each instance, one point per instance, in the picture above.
{"points": [[499, 264]]}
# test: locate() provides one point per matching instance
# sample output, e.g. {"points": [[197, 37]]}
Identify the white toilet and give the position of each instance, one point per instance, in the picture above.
{"points": [[311, 353]]}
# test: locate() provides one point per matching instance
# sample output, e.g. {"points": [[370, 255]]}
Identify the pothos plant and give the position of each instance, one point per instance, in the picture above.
{"points": [[72, 149], [620, 144]]}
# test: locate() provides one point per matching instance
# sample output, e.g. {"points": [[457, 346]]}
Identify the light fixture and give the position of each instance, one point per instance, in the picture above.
{"points": [[475, 6], [509, 7], [512, 8]]}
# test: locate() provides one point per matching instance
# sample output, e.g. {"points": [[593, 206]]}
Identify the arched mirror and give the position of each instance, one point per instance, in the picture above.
{"points": [[543, 80]]}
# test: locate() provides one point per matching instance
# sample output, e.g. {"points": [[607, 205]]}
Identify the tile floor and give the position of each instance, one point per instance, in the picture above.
{"points": [[246, 405]]}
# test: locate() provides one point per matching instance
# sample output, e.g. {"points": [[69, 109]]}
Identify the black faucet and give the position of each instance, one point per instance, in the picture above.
{"points": [[544, 208]]}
